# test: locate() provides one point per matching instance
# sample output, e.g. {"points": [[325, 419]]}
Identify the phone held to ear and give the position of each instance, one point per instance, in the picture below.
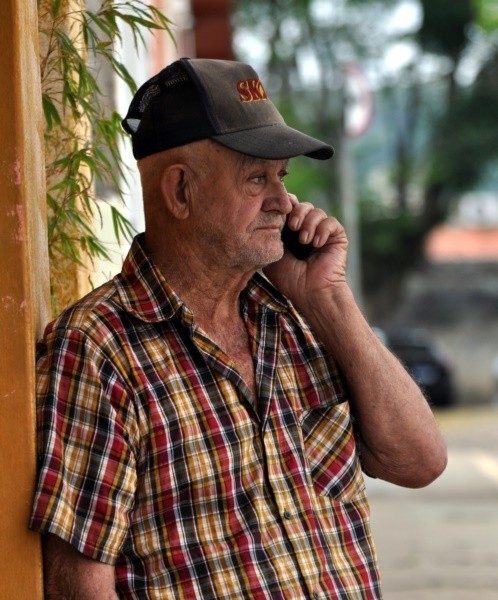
{"points": [[290, 239]]}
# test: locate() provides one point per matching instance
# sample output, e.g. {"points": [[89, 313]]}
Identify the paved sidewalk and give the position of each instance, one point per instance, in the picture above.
{"points": [[441, 542]]}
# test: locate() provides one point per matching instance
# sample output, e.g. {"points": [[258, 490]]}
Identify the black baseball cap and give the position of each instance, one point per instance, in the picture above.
{"points": [[194, 99]]}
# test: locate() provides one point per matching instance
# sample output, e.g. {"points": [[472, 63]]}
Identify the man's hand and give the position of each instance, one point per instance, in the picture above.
{"points": [[324, 268]]}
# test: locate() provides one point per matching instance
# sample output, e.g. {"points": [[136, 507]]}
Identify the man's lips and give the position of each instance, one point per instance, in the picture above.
{"points": [[271, 227]]}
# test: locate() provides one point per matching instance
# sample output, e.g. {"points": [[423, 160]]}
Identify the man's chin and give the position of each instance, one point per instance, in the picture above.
{"points": [[277, 257], [272, 255], [263, 255]]}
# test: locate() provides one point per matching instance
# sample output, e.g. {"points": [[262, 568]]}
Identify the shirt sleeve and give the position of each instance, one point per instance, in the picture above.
{"points": [[86, 462]]}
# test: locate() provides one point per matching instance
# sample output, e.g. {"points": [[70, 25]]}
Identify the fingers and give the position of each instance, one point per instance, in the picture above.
{"points": [[314, 225]]}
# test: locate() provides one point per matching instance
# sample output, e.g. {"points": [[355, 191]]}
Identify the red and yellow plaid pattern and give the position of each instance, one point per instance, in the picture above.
{"points": [[155, 457]]}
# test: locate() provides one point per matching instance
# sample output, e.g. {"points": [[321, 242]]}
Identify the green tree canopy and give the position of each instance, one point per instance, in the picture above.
{"points": [[434, 133]]}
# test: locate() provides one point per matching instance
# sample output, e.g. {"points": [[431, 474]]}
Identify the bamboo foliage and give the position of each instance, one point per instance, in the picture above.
{"points": [[81, 130]]}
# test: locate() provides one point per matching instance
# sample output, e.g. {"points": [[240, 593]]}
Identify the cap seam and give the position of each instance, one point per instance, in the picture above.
{"points": [[204, 93]]}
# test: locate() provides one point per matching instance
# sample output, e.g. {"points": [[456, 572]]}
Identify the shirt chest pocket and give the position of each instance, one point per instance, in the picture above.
{"points": [[330, 451]]}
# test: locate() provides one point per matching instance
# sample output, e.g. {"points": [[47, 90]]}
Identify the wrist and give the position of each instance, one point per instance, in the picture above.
{"points": [[336, 318], [333, 302]]}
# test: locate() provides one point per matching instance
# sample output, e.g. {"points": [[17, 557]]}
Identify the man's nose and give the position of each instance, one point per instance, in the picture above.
{"points": [[279, 200]]}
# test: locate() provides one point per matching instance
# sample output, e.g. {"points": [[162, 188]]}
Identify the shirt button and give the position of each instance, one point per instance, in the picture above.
{"points": [[287, 515]]}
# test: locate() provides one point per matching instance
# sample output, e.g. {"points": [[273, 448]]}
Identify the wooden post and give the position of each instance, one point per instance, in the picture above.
{"points": [[24, 292]]}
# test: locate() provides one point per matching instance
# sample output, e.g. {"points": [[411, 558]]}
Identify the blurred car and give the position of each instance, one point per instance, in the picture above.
{"points": [[426, 363]]}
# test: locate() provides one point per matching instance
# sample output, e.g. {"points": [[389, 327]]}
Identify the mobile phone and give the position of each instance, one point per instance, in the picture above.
{"points": [[290, 239]]}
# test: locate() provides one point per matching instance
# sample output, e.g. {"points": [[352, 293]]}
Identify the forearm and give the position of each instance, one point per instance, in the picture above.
{"points": [[401, 442]]}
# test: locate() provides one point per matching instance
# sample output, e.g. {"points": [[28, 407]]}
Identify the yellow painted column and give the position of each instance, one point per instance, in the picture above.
{"points": [[24, 291]]}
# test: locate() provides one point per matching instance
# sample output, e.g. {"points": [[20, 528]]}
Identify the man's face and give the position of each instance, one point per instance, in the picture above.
{"points": [[240, 208]]}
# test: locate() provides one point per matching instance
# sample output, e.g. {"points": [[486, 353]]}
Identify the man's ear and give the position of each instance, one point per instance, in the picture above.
{"points": [[175, 188]]}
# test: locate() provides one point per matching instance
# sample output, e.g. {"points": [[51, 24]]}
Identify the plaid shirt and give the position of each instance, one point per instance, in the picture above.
{"points": [[154, 456]]}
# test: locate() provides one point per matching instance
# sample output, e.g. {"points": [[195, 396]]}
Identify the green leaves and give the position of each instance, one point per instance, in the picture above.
{"points": [[457, 17], [105, 24], [82, 132], [52, 117], [487, 14]]}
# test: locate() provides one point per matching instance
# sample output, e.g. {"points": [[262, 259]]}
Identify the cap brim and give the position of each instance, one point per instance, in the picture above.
{"points": [[274, 142]]}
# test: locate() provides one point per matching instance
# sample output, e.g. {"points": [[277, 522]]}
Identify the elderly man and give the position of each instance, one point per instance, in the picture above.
{"points": [[205, 417]]}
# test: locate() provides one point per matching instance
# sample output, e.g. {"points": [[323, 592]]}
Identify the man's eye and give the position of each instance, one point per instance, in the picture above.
{"points": [[283, 175], [258, 179]]}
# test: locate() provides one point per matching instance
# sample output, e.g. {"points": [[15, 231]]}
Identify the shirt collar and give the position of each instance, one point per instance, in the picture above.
{"points": [[142, 288], [144, 291]]}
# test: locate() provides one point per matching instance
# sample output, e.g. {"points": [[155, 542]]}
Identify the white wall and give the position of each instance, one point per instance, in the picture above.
{"points": [[142, 64]]}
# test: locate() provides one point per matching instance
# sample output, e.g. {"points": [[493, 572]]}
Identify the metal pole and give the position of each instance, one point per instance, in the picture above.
{"points": [[349, 205]]}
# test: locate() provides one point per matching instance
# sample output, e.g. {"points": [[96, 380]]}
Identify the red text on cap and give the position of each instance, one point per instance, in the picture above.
{"points": [[251, 90]]}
